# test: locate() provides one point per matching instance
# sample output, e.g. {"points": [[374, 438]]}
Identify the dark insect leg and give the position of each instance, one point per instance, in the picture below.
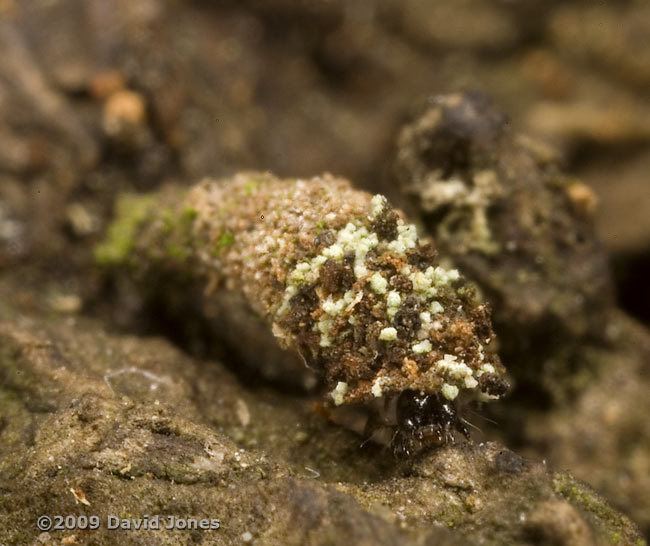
{"points": [[402, 444], [460, 427], [373, 424]]}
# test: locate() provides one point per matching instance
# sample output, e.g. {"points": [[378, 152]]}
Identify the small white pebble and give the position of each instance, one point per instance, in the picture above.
{"points": [[243, 413], [378, 283], [393, 299], [488, 368], [376, 387], [422, 347], [420, 281], [335, 252], [450, 392], [332, 307], [388, 334], [338, 394], [360, 271], [247, 536], [378, 202]]}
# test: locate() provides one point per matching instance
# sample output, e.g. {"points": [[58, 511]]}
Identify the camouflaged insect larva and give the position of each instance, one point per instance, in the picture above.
{"points": [[341, 279]]}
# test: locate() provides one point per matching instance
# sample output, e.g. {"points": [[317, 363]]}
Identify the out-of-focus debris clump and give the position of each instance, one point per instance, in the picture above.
{"points": [[498, 203]]}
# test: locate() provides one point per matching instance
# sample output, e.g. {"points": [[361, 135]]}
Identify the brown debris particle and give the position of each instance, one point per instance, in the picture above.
{"points": [[480, 317], [407, 320], [396, 354], [583, 199], [401, 283], [302, 306], [493, 384], [461, 329], [104, 84], [410, 368], [336, 277], [424, 256], [324, 239], [357, 367], [124, 108], [372, 334], [385, 225], [79, 496]]}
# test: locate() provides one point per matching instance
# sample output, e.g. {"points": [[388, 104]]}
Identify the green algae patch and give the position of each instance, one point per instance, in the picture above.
{"points": [[226, 240], [188, 215], [130, 211], [614, 525], [177, 252], [251, 186]]}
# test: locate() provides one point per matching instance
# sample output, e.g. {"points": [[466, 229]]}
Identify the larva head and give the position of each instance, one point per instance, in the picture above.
{"points": [[423, 420]]}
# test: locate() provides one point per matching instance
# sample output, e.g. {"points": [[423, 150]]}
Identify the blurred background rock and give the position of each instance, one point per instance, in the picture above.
{"points": [[107, 94]]}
